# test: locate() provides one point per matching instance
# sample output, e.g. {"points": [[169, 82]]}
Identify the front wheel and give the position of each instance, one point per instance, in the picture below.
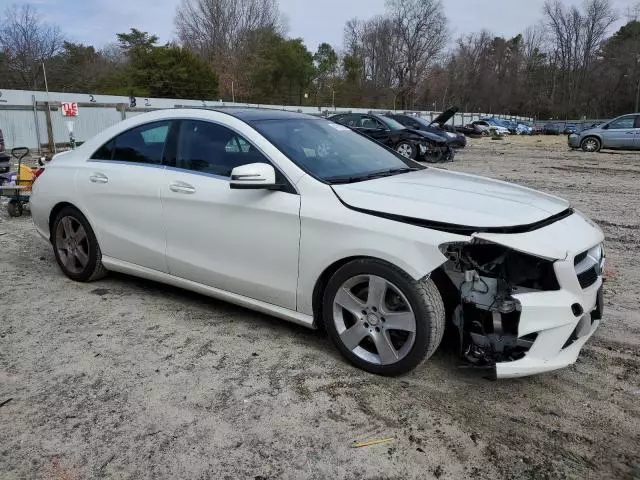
{"points": [[591, 145], [380, 318], [407, 150], [75, 246]]}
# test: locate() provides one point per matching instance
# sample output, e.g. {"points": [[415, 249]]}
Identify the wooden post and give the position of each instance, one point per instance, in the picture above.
{"points": [[47, 114]]}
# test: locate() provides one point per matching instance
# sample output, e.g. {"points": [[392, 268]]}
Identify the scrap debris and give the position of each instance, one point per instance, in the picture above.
{"points": [[368, 443]]}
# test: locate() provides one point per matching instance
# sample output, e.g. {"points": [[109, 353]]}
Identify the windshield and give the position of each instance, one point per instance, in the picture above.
{"points": [[332, 152], [393, 124]]}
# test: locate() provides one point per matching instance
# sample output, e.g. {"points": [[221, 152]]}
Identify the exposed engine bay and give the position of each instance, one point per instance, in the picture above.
{"points": [[486, 316]]}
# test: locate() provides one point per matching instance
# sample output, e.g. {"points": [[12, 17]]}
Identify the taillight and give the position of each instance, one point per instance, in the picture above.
{"points": [[37, 173]]}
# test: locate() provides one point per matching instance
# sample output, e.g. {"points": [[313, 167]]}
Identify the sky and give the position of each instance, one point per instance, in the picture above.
{"points": [[96, 22]]}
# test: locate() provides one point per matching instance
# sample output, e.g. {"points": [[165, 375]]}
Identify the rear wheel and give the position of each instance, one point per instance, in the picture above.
{"points": [[591, 144], [380, 318], [407, 149], [75, 246], [14, 208]]}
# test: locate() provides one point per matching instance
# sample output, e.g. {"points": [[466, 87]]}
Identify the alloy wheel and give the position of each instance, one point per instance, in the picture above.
{"points": [[591, 145], [72, 244], [374, 319], [405, 150]]}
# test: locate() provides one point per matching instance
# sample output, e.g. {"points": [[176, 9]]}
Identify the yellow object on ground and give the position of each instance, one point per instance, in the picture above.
{"points": [[368, 443]]}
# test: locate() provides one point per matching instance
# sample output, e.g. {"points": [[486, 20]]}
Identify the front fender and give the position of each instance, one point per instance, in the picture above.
{"points": [[331, 232]]}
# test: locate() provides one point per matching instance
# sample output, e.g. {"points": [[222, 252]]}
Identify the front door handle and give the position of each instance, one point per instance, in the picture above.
{"points": [[98, 178], [182, 187]]}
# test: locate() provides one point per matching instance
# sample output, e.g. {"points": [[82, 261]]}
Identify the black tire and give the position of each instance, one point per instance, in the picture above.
{"points": [[408, 145], [93, 270], [451, 155], [591, 144], [14, 208], [423, 297]]}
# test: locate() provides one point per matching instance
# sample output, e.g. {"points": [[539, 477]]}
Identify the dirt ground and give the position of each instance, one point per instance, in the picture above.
{"points": [[125, 378]]}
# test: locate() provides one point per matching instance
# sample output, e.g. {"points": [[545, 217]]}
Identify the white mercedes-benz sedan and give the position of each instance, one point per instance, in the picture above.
{"points": [[307, 220]]}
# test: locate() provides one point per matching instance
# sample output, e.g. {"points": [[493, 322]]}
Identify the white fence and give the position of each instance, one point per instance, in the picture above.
{"points": [[34, 119]]}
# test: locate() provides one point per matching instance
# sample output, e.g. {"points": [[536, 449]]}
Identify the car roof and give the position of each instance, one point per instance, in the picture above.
{"points": [[249, 115]]}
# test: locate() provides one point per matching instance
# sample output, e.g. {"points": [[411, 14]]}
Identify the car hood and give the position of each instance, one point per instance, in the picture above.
{"points": [[434, 137], [451, 198], [445, 116]]}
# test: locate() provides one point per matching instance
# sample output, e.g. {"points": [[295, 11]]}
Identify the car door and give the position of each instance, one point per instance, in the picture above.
{"points": [[375, 129], [620, 133], [120, 191], [241, 241]]}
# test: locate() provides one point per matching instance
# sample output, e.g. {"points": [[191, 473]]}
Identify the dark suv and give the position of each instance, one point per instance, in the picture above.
{"points": [[5, 158]]}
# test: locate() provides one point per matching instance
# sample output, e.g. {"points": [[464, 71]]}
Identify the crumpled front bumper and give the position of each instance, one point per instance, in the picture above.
{"points": [[563, 319], [556, 325]]}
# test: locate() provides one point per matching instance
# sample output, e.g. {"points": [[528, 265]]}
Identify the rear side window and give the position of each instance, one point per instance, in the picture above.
{"points": [[637, 121], [105, 152], [143, 144]]}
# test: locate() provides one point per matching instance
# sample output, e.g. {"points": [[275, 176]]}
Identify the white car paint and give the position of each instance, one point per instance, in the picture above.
{"points": [[266, 250], [450, 197]]}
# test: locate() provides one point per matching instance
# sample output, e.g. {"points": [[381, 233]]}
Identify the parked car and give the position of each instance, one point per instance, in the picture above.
{"points": [[454, 139], [524, 129], [473, 131], [552, 129], [407, 142], [307, 220], [5, 157], [570, 128], [491, 127], [621, 133]]}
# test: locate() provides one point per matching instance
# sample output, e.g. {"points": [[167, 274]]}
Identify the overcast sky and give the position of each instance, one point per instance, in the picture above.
{"points": [[97, 21]]}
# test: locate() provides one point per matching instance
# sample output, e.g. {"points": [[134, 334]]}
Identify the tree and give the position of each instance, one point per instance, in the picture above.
{"points": [[136, 42], [281, 68], [326, 63], [27, 42], [167, 71], [420, 33], [172, 71], [219, 31]]}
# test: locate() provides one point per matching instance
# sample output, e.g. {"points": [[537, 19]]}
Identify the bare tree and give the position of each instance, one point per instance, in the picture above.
{"points": [[220, 31], [27, 42], [420, 28], [215, 27], [577, 36]]}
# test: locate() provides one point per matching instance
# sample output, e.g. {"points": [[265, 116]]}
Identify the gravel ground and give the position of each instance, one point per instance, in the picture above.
{"points": [[125, 378]]}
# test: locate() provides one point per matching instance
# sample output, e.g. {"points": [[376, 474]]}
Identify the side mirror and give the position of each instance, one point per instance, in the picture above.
{"points": [[253, 176], [605, 127]]}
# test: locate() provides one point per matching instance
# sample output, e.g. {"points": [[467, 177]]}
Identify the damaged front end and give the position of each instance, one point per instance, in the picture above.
{"points": [[487, 313]]}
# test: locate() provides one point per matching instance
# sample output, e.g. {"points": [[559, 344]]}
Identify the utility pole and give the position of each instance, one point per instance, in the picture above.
{"points": [[638, 97], [233, 94]]}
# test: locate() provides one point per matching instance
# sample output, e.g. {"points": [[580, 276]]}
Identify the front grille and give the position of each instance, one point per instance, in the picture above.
{"points": [[588, 277]]}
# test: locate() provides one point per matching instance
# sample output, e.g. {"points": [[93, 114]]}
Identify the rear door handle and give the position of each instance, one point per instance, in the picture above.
{"points": [[182, 187], [98, 178]]}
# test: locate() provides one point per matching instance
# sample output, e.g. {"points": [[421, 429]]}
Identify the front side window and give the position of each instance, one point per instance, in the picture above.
{"points": [[329, 151], [142, 144], [622, 123], [211, 148], [368, 122]]}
